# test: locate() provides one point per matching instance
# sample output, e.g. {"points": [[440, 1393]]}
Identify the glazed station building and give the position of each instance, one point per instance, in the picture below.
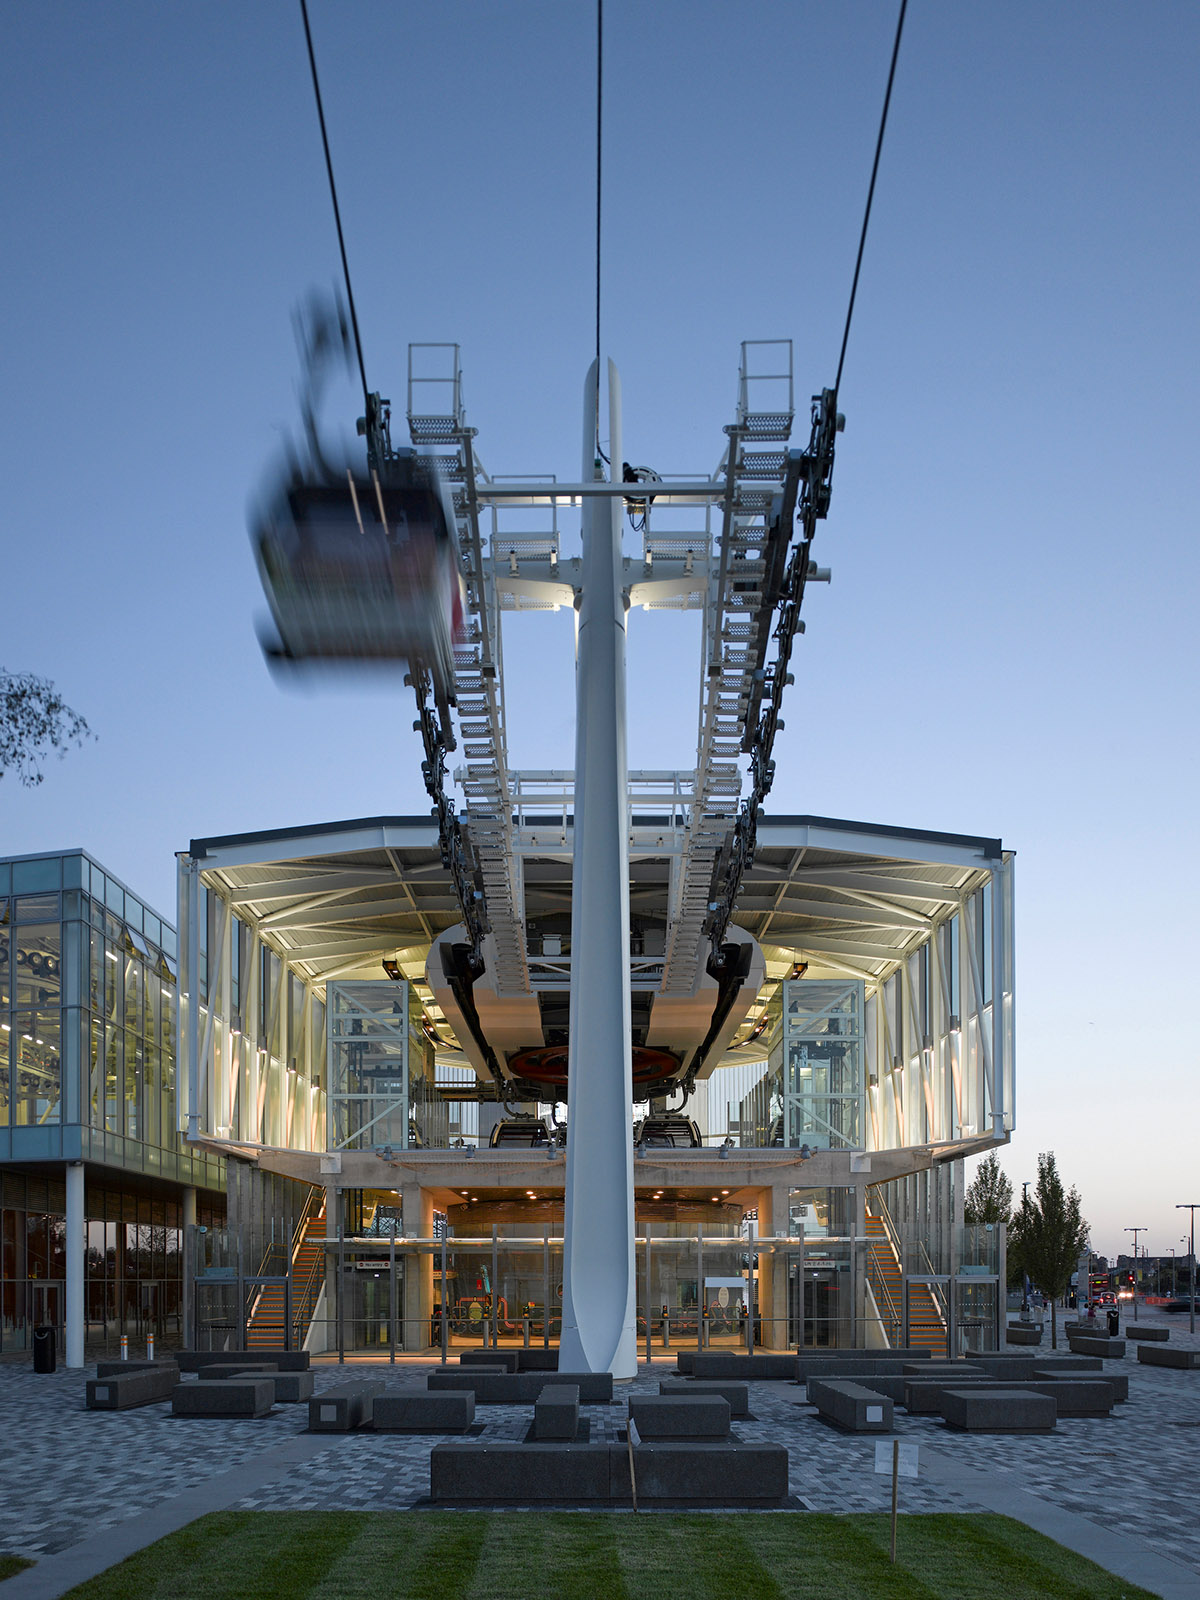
{"points": [[396, 1179]]}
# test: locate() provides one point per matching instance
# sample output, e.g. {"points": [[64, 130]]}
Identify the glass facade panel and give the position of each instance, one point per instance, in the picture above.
{"points": [[30, 876], [36, 1067]]}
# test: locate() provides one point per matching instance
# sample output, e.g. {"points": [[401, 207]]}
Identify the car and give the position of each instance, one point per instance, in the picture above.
{"points": [[1180, 1303]]}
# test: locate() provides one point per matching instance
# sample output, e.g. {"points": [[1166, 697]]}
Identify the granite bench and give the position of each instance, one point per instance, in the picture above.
{"points": [[998, 1410], [506, 1360], [117, 1369], [250, 1369], [537, 1359], [344, 1408], [284, 1360], [851, 1406], [1074, 1397], [520, 1388], [1063, 1366], [697, 1417], [1015, 1333], [1134, 1330], [727, 1364], [736, 1394], [1088, 1344], [291, 1388], [452, 1411], [675, 1473], [122, 1391], [230, 1397], [556, 1412], [1153, 1355]]}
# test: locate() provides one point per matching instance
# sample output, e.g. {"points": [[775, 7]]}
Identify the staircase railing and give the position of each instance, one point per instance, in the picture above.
{"points": [[306, 1295]]}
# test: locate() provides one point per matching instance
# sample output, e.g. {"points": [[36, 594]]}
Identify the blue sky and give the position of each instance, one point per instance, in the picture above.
{"points": [[1008, 646]]}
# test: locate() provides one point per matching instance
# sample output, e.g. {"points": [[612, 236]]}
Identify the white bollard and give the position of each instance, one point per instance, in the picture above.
{"points": [[124, 1347]]}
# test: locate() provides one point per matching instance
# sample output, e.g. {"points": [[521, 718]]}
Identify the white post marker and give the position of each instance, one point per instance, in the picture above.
{"points": [[901, 1461]]}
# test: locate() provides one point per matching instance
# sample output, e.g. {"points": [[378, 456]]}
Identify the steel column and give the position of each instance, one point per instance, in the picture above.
{"points": [[599, 1332]]}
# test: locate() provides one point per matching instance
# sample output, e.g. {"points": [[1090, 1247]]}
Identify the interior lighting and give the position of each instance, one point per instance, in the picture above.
{"points": [[724, 1191], [108, 956], [5, 1027]]}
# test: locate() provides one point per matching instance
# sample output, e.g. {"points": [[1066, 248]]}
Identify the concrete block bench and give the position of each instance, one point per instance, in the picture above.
{"points": [[452, 1411], [124, 1390], [291, 1388], [998, 1410], [1060, 1366], [1134, 1331], [251, 1369], [556, 1412], [506, 1360], [737, 1395], [507, 1473], [1153, 1355], [230, 1397], [851, 1406], [344, 1408], [885, 1383], [674, 1473], [1074, 1397], [687, 1474], [115, 1369], [520, 1388], [1014, 1333], [284, 1360], [697, 1417], [1087, 1344], [537, 1360], [726, 1364]]}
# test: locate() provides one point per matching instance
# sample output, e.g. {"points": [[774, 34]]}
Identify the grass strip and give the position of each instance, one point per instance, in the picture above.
{"points": [[11, 1565], [481, 1555]]}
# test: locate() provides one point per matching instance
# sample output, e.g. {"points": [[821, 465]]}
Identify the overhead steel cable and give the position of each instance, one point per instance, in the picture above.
{"points": [[812, 487], [337, 213], [862, 238], [599, 164]]}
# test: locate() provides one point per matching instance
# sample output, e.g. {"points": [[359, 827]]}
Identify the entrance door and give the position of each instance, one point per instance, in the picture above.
{"points": [[927, 1313], [976, 1299]]}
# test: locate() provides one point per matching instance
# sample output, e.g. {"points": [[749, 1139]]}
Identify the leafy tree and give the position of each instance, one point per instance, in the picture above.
{"points": [[990, 1195], [34, 720], [1051, 1236]]}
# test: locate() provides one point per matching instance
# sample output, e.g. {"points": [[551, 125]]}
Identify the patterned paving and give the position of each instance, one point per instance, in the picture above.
{"points": [[67, 1472]]}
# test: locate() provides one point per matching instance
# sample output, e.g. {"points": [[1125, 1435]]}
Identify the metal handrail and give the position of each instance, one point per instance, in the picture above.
{"points": [[304, 1307]]}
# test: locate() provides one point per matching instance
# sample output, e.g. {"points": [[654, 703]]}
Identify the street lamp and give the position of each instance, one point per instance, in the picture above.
{"points": [[1135, 1232], [1025, 1275], [1191, 1263]]}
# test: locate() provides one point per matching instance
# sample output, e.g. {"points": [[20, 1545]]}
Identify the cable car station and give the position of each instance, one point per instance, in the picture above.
{"points": [[608, 1057]]}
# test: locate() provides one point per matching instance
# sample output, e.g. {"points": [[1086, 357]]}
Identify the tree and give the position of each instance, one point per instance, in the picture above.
{"points": [[1051, 1236], [34, 720], [990, 1196]]}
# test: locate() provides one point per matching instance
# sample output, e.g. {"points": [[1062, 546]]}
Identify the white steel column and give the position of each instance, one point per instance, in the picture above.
{"points": [[599, 1284], [76, 1240]]}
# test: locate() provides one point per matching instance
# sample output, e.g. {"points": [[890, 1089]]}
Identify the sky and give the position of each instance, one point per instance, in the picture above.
{"points": [[1008, 646]]}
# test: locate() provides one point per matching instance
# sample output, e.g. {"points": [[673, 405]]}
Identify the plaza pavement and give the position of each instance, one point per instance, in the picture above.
{"points": [[80, 1490]]}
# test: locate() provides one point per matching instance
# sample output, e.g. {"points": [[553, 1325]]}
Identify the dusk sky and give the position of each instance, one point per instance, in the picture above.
{"points": [[1009, 644]]}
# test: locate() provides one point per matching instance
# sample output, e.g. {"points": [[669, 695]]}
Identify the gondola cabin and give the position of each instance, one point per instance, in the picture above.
{"points": [[362, 567]]}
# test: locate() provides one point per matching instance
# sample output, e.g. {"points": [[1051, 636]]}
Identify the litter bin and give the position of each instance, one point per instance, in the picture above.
{"points": [[1114, 1323], [45, 1351]]}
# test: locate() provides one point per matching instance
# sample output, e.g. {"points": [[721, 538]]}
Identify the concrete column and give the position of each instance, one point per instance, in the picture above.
{"points": [[76, 1264], [416, 1306], [599, 1283], [774, 1217], [191, 1261]]}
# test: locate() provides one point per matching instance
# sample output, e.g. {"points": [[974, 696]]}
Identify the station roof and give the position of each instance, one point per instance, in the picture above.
{"points": [[337, 897]]}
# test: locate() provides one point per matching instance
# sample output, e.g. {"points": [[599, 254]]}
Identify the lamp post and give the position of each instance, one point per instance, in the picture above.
{"points": [[1191, 1206], [1135, 1232], [1024, 1274], [1172, 1272]]}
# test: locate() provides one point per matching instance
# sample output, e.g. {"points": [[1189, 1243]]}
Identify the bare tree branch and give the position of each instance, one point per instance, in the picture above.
{"points": [[34, 721]]}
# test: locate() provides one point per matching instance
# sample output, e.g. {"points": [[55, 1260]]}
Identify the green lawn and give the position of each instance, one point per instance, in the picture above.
{"points": [[469, 1555], [11, 1565]]}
